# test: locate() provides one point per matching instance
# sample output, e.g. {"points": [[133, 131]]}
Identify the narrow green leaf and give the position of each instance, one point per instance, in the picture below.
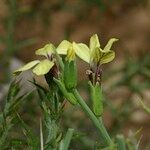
{"points": [[146, 108]]}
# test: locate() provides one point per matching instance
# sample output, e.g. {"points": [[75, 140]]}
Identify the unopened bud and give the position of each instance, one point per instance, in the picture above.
{"points": [[70, 74], [96, 98]]}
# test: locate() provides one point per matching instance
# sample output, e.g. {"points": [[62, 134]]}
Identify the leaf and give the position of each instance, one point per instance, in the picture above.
{"points": [[82, 51], [43, 67], [47, 50], [32, 139], [109, 44], [110, 147], [14, 88], [94, 42], [26, 67], [107, 57], [63, 47], [146, 108]]}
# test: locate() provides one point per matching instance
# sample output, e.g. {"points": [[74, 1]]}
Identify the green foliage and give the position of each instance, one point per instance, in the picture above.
{"points": [[9, 118]]}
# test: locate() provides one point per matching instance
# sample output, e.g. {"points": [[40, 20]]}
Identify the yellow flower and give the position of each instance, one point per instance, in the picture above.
{"points": [[96, 54], [92, 54], [39, 67]]}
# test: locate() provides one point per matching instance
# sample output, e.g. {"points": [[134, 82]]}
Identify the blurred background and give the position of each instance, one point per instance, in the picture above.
{"points": [[26, 25]]}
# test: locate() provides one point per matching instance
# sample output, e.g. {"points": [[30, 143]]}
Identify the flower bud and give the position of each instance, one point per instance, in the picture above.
{"points": [[70, 70], [96, 98], [70, 75]]}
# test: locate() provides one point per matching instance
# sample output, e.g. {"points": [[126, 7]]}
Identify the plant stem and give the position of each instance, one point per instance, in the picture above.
{"points": [[66, 141], [120, 142], [41, 135], [104, 137]]}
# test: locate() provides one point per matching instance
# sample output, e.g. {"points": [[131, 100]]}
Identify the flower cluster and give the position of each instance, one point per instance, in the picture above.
{"points": [[94, 55]]}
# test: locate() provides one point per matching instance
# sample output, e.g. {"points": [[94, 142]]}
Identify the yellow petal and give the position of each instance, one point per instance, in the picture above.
{"points": [[109, 44], [63, 47], [95, 55], [70, 54], [107, 57], [26, 67], [43, 67], [82, 51], [48, 49], [94, 42]]}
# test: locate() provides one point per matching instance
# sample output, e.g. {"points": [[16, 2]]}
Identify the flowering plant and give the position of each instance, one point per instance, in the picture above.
{"points": [[60, 71]]}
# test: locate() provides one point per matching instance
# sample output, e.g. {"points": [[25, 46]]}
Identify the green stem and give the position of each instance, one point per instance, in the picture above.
{"points": [[66, 141], [120, 142], [104, 137]]}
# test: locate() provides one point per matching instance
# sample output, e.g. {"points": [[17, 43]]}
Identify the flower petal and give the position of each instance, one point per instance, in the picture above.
{"points": [[109, 44], [43, 67], [48, 49], [107, 57], [26, 67], [70, 54], [82, 51], [63, 47], [95, 55], [94, 42]]}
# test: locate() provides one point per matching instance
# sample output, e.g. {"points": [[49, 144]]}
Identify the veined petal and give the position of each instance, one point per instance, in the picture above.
{"points": [[70, 54], [107, 57], [94, 42], [26, 67], [109, 44], [82, 51], [48, 49], [63, 47], [43, 67], [95, 55]]}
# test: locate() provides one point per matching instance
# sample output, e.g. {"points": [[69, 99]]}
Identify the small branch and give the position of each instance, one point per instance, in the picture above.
{"points": [[98, 124]]}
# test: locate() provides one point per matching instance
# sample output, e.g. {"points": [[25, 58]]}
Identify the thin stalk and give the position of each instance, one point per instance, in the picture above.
{"points": [[41, 136], [59, 59], [98, 124], [66, 141], [120, 142]]}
